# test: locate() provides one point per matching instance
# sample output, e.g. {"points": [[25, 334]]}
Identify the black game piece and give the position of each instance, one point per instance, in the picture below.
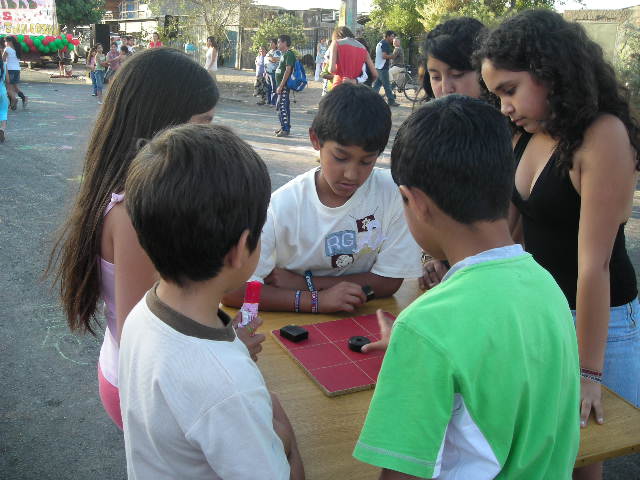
{"points": [[356, 343], [368, 291], [294, 333]]}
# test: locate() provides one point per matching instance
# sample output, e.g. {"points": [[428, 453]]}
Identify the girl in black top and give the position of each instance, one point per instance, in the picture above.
{"points": [[575, 180]]}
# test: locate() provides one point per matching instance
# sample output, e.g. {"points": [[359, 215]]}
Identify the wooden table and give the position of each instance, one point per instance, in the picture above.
{"points": [[327, 428]]}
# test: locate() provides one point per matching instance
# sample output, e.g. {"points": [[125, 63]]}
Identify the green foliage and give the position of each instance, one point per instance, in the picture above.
{"points": [[627, 60], [279, 25], [401, 16], [489, 12], [72, 13]]}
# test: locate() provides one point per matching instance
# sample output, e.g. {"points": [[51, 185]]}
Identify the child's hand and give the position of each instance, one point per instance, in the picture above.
{"points": [[281, 278], [385, 333], [590, 397], [432, 274], [253, 341], [344, 296]]}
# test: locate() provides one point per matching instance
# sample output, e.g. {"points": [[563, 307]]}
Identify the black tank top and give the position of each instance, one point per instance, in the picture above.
{"points": [[550, 218]]}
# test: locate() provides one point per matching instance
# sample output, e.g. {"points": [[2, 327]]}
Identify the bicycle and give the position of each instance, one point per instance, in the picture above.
{"points": [[409, 84]]}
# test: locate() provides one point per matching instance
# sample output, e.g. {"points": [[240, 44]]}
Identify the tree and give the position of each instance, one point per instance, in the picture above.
{"points": [[280, 25], [627, 60], [72, 13], [216, 15], [488, 12], [401, 16]]}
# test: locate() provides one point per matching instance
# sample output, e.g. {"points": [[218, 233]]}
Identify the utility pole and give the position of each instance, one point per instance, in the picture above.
{"points": [[348, 13]]}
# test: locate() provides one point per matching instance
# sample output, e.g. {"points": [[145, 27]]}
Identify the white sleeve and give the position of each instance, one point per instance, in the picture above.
{"points": [[400, 255], [267, 249], [237, 438], [363, 78]]}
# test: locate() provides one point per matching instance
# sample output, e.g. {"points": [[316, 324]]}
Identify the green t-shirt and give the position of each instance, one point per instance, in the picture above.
{"points": [[99, 60], [288, 59], [480, 380]]}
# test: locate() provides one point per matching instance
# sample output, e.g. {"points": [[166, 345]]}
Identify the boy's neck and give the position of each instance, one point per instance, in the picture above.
{"points": [[199, 301], [462, 241]]}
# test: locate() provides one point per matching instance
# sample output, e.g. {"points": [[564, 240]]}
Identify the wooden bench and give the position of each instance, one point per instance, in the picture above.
{"points": [[327, 428]]}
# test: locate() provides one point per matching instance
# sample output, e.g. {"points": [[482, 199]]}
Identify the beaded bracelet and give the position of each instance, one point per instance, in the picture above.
{"points": [[592, 375], [308, 277], [296, 303], [314, 301]]}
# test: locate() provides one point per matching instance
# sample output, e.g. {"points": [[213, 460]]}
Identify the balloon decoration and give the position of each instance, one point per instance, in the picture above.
{"points": [[45, 44]]}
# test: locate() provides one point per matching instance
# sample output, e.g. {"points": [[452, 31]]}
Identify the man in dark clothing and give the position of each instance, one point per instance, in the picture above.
{"points": [[384, 53]]}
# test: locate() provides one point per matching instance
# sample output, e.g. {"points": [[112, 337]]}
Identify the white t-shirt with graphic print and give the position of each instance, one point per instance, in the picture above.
{"points": [[366, 234]]}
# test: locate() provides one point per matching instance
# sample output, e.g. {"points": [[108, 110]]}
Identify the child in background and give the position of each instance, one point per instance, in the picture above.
{"points": [[4, 98], [99, 69], [97, 257], [481, 378], [260, 89], [197, 196], [91, 65], [339, 227]]}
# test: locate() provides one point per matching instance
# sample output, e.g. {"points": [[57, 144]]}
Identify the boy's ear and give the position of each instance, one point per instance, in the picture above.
{"points": [[239, 253], [417, 202], [315, 141]]}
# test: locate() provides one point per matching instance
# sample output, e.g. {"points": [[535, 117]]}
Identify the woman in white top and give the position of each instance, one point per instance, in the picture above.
{"points": [[11, 59], [211, 63]]}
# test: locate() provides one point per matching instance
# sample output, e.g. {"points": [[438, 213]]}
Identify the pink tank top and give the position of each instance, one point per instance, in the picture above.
{"points": [[110, 349], [351, 56]]}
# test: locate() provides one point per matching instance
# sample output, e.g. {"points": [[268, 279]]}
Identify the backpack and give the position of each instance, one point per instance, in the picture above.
{"points": [[298, 78]]}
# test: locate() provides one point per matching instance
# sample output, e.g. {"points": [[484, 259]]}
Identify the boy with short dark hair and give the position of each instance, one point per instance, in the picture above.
{"points": [[283, 72], [194, 404], [481, 378], [339, 227]]}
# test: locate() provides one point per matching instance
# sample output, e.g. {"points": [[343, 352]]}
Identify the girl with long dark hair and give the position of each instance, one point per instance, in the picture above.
{"points": [[11, 58], [97, 257]]}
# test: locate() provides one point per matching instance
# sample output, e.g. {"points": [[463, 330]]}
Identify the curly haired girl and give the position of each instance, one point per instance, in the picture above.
{"points": [[577, 159]]}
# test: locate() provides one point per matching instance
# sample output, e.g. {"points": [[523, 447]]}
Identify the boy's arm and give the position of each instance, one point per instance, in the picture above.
{"points": [[382, 286], [283, 83], [283, 428], [344, 296]]}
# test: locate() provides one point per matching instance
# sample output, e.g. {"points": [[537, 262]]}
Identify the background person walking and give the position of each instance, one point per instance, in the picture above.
{"points": [[283, 72], [211, 62], [384, 53], [11, 58]]}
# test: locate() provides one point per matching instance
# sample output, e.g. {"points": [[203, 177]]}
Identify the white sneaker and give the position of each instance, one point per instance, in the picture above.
{"points": [[99, 102]]}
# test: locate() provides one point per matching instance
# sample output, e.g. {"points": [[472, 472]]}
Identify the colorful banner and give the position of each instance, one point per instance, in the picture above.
{"points": [[37, 17]]}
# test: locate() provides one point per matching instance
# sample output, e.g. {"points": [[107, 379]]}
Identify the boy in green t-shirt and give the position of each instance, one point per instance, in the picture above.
{"points": [[481, 378], [283, 72]]}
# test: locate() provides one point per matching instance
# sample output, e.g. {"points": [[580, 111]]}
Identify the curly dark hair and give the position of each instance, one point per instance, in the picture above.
{"points": [[582, 84]]}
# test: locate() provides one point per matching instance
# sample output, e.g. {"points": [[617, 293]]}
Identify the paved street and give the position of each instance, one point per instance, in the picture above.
{"points": [[52, 425]]}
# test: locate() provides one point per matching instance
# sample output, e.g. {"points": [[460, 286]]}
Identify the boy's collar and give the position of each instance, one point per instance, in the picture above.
{"points": [[499, 253], [185, 325]]}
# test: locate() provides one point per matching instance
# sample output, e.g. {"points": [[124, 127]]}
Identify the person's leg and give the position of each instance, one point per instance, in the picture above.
{"points": [[378, 83], [110, 397], [284, 112], [99, 74], [384, 77], [318, 70], [274, 87], [92, 75]]}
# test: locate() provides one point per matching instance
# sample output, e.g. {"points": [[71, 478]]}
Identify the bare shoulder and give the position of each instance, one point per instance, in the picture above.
{"points": [[606, 138]]}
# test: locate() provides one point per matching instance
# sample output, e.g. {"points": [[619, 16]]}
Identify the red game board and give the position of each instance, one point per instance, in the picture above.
{"points": [[326, 358]]}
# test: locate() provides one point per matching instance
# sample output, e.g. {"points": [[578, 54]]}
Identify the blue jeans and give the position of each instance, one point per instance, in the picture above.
{"points": [[99, 76], [284, 113], [621, 372], [383, 80], [271, 88], [92, 75]]}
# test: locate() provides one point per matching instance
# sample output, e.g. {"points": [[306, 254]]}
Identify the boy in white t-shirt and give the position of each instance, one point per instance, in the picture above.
{"points": [[340, 227], [194, 404]]}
